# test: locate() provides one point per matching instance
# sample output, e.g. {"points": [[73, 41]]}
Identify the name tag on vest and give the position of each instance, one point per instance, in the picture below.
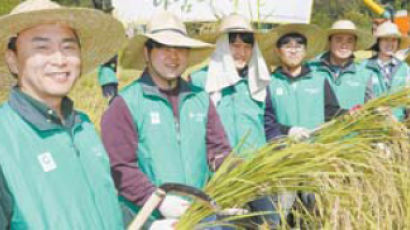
{"points": [[155, 119], [47, 162]]}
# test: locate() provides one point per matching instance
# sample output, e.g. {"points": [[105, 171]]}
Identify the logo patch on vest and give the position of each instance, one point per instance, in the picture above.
{"points": [[155, 119], [374, 80], [47, 162], [279, 91]]}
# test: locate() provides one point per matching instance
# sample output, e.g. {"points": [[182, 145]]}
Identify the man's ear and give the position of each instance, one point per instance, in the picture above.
{"points": [[11, 60], [146, 54]]}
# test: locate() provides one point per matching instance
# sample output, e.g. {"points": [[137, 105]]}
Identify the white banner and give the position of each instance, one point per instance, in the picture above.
{"points": [[271, 11]]}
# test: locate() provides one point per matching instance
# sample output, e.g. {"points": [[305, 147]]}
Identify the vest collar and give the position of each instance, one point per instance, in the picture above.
{"points": [[305, 73], [150, 88], [40, 115], [325, 64]]}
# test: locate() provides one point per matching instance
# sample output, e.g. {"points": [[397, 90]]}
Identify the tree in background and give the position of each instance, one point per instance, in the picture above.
{"points": [[325, 12], [7, 5]]}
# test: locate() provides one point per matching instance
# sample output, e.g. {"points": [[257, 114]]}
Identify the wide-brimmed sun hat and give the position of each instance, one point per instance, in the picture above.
{"points": [[316, 41], [364, 39], [235, 23], [167, 29], [229, 24], [390, 30], [99, 34]]}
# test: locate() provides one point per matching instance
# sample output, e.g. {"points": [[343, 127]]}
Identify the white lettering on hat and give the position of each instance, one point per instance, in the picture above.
{"points": [[47, 162], [155, 119]]}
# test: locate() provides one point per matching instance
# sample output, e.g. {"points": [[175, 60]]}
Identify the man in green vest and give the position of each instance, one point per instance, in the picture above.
{"points": [[386, 72], [53, 163], [160, 128], [301, 100], [337, 64]]}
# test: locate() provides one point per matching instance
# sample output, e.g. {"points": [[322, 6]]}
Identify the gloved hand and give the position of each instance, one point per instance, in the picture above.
{"points": [[166, 224], [173, 206], [355, 109], [298, 133]]}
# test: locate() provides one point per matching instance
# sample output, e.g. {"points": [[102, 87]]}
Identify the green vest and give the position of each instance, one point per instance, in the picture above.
{"points": [[380, 86], [59, 178], [241, 116], [299, 101], [106, 75], [170, 150], [349, 86]]}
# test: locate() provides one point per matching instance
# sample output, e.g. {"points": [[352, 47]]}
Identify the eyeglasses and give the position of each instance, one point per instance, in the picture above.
{"points": [[298, 47]]}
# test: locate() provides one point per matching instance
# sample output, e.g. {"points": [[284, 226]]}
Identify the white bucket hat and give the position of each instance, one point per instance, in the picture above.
{"points": [[228, 24], [100, 35], [236, 23], [390, 30], [314, 35], [364, 39], [164, 28]]}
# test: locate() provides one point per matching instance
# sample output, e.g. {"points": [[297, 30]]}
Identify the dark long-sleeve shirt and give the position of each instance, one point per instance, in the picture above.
{"points": [[271, 125]]}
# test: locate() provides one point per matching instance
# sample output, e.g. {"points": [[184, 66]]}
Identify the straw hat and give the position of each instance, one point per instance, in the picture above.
{"points": [[364, 39], [100, 35], [390, 30], [314, 35], [167, 29]]}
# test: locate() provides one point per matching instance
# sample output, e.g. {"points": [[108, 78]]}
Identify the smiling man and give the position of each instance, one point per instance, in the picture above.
{"points": [[160, 128], [300, 100], [337, 64], [54, 169]]}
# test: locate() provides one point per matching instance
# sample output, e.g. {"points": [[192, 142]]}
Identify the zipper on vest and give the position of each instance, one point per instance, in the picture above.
{"points": [[84, 172], [177, 130], [72, 143]]}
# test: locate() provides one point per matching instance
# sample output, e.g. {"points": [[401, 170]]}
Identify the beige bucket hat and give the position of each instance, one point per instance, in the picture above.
{"points": [[316, 41], [100, 35], [167, 29], [364, 39], [388, 30]]}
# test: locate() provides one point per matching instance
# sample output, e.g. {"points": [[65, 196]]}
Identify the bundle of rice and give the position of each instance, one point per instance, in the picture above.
{"points": [[357, 165]]}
